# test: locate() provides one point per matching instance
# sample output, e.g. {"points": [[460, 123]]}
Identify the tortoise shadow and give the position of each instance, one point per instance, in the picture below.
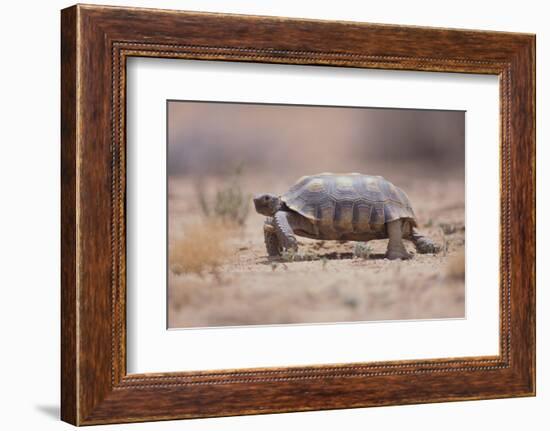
{"points": [[333, 255], [322, 256]]}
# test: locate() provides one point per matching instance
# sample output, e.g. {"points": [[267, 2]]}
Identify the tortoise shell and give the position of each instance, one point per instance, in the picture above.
{"points": [[348, 202]]}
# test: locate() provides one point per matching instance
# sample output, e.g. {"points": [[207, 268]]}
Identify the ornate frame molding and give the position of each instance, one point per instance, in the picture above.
{"points": [[96, 41]]}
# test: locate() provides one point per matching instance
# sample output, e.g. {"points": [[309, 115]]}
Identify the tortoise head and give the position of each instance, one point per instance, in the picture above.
{"points": [[267, 204]]}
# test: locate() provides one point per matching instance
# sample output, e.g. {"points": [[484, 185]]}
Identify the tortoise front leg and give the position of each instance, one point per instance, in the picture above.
{"points": [[396, 249], [272, 244], [284, 231]]}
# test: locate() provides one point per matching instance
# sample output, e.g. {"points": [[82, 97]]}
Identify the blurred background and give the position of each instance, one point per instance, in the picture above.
{"points": [[209, 138]]}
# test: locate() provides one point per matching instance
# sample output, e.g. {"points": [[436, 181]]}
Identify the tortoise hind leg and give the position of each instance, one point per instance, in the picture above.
{"points": [[396, 248], [272, 244], [423, 244]]}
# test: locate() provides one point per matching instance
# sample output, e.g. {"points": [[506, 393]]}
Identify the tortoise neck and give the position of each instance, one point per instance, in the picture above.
{"points": [[282, 206]]}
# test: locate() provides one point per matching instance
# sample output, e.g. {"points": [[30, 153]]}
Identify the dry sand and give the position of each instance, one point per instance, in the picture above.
{"points": [[250, 289]]}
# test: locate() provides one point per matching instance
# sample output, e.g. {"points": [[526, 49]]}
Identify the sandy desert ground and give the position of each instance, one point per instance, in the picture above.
{"points": [[244, 287]]}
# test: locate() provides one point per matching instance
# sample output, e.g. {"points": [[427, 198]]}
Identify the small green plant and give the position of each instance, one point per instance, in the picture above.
{"points": [[444, 247], [230, 204], [362, 250]]}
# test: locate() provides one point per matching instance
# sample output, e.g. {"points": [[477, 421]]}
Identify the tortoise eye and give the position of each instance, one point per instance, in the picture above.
{"points": [[266, 198]]}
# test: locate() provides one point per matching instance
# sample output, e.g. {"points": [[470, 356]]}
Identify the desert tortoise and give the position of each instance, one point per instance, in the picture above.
{"points": [[350, 207]]}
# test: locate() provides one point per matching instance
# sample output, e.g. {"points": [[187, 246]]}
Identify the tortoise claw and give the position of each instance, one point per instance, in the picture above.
{"points": [[290, 243]]}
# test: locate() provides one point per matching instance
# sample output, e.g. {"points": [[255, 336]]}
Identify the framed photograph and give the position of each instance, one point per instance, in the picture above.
{"points": [[263, 214]]}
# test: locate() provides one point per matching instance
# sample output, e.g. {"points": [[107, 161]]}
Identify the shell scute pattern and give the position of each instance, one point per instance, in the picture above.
{"points": [[325, 212], [378, 215], [348, 202], [343, 215], [362, 216], [315, 185]]}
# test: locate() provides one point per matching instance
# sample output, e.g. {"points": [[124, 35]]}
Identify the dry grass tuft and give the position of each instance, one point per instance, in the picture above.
{"points": [[456, 266], [202, 248]]}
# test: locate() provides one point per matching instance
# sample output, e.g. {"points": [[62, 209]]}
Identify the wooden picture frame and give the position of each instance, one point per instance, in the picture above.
{"points": [[95, 43]]}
